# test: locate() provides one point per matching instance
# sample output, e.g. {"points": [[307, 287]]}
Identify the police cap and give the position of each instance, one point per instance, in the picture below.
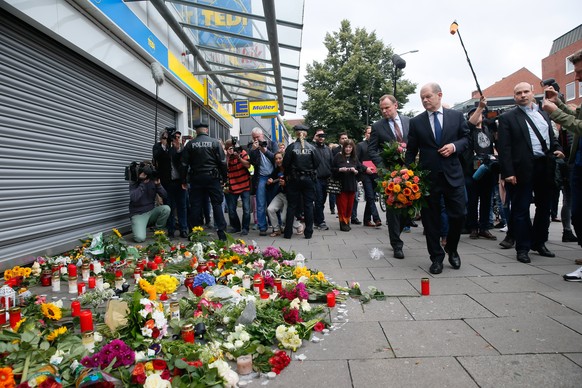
{"points": [[200, 124]]}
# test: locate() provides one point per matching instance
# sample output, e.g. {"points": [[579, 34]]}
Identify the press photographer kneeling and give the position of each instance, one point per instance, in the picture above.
{"points": [[142, 197]]}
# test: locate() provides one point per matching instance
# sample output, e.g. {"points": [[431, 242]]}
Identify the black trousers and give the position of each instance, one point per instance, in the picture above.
{"points": [[300, 189], [454, 198]]}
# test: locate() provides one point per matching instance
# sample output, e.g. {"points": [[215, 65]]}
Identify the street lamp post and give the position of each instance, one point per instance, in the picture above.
{"points": [[399, 64]]}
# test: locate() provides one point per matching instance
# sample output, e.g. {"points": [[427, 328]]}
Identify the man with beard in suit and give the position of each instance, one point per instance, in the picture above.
{"points": [[392, 127], [526, 145], [440, 135]]}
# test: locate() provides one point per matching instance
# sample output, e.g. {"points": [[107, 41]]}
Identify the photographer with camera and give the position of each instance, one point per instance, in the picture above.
{"points": [[204, 167], [161, 157], [571, 120], [262, 159], [177, 196], [142, 197], [239, 185], [480, 175]]}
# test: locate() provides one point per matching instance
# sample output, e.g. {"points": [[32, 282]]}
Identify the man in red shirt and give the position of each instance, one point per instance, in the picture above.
{"points": [[239, 185]]}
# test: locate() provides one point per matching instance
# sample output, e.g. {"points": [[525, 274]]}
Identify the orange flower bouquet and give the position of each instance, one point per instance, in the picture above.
{"points": [[404, 189]]}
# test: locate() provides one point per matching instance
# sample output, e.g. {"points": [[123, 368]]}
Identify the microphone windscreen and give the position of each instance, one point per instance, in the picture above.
{"points": [[454, 28], [157, 73]]}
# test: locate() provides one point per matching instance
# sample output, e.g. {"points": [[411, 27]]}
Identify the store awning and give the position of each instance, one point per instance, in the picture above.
{"points": [[249, 48]]}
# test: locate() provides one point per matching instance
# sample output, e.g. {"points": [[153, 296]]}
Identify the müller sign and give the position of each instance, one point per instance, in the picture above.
{"points": [[244, 108]]}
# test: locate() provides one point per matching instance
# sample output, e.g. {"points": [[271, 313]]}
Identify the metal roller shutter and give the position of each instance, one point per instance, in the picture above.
{"points": [[67, 128]]}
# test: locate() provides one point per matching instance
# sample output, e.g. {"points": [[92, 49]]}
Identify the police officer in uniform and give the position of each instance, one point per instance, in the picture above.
{"points": [[300, 163], [204, 164]]}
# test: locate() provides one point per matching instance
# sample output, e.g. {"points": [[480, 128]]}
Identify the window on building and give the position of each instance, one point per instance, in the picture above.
{"points": [[569, 65], [570, 91]]}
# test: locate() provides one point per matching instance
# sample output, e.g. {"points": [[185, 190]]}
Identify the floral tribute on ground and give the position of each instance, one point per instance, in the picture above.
{"points": [[403, 188], [161, 315]]}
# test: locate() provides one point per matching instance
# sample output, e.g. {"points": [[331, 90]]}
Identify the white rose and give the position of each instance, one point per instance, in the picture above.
{"points": [[228, 346], [225, 320], [295, 304], [238, 344], [156, 381], [59, 303], [244, 336], [305, 306]]}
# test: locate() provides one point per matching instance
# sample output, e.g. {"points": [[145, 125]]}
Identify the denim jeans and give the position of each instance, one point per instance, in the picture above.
{"points": [[320, 197], [262, 203], [371, 211], [231, 201]]}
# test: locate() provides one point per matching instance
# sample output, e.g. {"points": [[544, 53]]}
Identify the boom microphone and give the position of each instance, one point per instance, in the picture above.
{"points": [[157, 73], [454, 29]]}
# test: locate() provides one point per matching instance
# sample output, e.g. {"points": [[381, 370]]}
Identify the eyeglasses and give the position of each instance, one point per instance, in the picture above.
{"points": [[164, 138]]}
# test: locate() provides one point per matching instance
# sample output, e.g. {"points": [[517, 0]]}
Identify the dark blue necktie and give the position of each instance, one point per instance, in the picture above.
{"points": [[438, 130]]}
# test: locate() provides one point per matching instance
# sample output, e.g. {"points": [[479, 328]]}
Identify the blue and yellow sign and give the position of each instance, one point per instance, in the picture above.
{"points": [[241, 109], [264, 108]]}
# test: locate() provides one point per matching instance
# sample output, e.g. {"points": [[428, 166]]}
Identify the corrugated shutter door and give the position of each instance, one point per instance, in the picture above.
{"points": [[67, 128]]}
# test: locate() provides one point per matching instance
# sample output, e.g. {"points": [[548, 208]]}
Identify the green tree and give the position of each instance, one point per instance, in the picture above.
{"points": [[343, 90]]}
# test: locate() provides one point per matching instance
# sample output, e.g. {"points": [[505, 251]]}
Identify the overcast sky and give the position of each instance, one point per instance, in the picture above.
{"points": [[500, 37]]}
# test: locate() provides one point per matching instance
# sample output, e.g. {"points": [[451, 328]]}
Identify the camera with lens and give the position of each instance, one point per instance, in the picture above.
{"points": [[171, 131], [235, 144], [550, 82], [263, 143], [134, 169]]}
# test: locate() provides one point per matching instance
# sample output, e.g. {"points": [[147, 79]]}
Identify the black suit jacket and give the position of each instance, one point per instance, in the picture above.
{"points": [[382, 133], [421, 139], [514, 145]]}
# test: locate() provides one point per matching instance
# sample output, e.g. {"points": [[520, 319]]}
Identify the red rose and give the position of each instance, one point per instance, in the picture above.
{"points": [[153, 266], [195, 364], [198, 290], [158, 259], [319, 326], [211, 264], [155, 333], [166, 375], [159, 364]]}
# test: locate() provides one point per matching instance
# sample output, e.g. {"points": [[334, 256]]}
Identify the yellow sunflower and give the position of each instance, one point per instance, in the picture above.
{"points": [[18, 324], [197, 229], [55, 333], [159, 232], [227, 272], [51, 311], [8, 274]]}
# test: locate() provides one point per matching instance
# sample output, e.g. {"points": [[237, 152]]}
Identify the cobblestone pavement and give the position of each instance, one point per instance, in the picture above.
{"points": [[495, 322]]}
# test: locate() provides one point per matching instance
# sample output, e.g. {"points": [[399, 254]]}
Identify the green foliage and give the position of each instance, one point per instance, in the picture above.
{"points": [[343, 91]]}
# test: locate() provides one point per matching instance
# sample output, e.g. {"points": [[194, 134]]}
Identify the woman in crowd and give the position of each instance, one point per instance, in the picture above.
{"points": [[276, 182], [346, 167]]}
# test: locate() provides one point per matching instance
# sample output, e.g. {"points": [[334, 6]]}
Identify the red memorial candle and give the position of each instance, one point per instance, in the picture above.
{"points": [[91, 282], [86, 320], [72, 269], [75, 308], [330, 299], [15, 316], [81, 288], [424, 286]]}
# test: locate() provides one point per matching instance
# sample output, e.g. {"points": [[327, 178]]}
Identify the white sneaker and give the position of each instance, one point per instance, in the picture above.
{"points": [[504, 229], [575, 276]]}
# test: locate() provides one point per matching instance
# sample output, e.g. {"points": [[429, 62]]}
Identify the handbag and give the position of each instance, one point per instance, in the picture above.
{"points": [[334, 186]]}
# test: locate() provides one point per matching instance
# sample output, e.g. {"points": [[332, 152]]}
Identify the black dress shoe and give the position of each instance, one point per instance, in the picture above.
{"points": [[436, 268], [523, 257], [398, 254], [455, 260], [355, 221], [184, 234], [568, 236], [543, 251], [507, 242]]}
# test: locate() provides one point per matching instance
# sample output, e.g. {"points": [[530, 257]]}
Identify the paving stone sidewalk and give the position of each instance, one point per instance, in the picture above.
{"points": [[495, 322]]}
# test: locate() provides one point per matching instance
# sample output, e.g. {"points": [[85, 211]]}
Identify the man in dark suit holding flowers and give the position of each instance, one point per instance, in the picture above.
{"points": [[439, 136], [392, 127]]}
